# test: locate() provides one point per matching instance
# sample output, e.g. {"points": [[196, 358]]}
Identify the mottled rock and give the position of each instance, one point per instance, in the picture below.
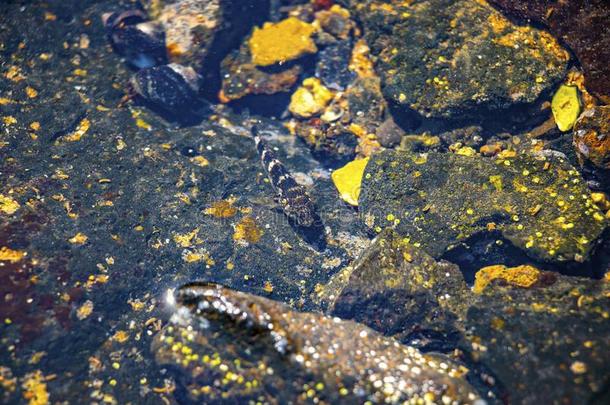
{"points": [[592, 137], [582, 25], [332, 67], [401, 291], [539, 203], [444, 58], [228, 345], [241, 77]]}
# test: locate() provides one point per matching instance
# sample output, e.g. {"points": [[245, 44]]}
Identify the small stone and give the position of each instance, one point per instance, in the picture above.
{"points": [[348, 180], [566, 107], [281, 42]]}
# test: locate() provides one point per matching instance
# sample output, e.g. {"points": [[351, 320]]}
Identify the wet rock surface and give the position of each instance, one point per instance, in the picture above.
{"points": [[107, 207], [592, 143], [539, 203], [399, 290], [582, 25], [231, 346], [444, 58]]}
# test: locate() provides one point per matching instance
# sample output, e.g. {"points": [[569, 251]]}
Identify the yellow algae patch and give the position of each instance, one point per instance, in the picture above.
{"points": [[247, 230], [78, 239], [360, 61], [10, 255], [310, 99], [496, 181], [31, 92], [185, 240], [222, 209], [348, 179], [140, 123], [81, 130], [281, 42], [120, 336], [9, 120], [84, 310], [521, 276], [566, 107], [35, 389], [8, 205], [199, 161]]}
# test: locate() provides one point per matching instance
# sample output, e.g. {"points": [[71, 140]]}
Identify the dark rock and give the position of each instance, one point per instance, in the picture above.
{"points": [[252, 348], [332, 67], [540, 203], [447, 58], [582, 25], [389, 134], [592, 142], [400, 291]]}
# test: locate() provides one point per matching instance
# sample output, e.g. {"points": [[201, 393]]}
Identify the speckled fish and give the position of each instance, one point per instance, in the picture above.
{"points": [[140, 42], [293, 197]]}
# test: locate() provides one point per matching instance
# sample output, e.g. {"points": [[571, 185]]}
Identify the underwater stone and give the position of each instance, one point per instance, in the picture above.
{"points": [[234, 346], [333, 65], [540, 203], [581, 24], [310, 99], [592, 137], [400, 291], [443, 58]]}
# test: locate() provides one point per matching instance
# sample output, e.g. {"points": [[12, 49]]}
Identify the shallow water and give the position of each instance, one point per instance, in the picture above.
{"points": [[150, 252]]}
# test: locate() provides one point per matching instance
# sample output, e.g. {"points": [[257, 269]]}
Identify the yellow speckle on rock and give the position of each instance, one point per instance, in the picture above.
{"points": [[199, 161], [521, 276], [9, 120], [8, 205], [35, 126], [120, 336], [281, 42], [31, 92], [185, 240], [84, 310], [348, 180], [247, 230], [78, 239], [466, 151], [222, 209], [140, 123], [309, 99], [268, 287], [10, 255], [35, 389], [496, 181], [81, 130], [566, 107]]}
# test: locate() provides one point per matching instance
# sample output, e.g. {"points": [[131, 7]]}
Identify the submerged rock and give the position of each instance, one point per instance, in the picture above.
{"points": [[231, 346], [582, 25], [443, 58], [539, 203], [401, 291], [592, 141]]}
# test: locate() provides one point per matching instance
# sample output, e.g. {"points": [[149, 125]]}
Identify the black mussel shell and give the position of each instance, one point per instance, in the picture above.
{"points": [[173, 87], [141, 42]]}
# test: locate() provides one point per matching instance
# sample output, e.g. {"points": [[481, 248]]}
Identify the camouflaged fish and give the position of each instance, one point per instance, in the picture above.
{"points": [[293, 198]]}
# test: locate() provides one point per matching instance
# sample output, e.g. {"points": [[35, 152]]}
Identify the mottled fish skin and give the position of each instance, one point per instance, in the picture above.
{"points": [[293, 197]]}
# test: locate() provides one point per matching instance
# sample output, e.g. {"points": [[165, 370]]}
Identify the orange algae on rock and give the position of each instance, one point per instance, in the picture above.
{"points": [[8, 205], [247, 230], [35, 389], [521, 276], [281, 42], [10, 255], [222, 209]]}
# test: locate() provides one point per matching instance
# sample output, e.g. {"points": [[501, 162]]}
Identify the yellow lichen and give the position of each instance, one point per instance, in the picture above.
{"points": [[8, 205], [521, 276], [247, 230], [566, 107], [35, 389], [81, 130], [222, 209], [10, 255], [348, 180], [310, 99], [84, 310], [281, 42], [185, 240], [78, 239]]}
